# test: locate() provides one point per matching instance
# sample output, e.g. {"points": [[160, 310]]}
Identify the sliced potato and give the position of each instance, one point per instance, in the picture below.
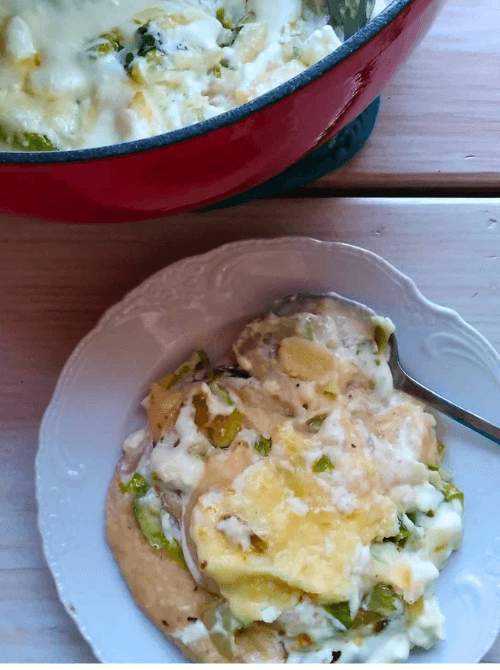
{"points": [[163, 410], [306, 360]]}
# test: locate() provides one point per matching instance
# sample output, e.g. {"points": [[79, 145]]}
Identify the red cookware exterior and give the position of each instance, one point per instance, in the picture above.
{"points": [[225, 155]]}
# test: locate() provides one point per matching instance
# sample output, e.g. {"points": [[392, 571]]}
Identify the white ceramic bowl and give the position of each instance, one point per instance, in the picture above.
{"points": [[203, 302]]}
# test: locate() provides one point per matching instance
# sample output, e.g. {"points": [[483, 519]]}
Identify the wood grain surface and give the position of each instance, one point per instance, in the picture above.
{"points": [[439, 126], [57, 280]]}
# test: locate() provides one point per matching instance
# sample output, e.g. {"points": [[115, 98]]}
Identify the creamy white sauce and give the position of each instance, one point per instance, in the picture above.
{"points": [[344, 500], [236, 531], [387, 559], [392, 645], [216, 404], [331, 431], [65, 80], [177, 459], [169, 528], [134, 442], [298, 506], [363, 451], [270, 614], [249, 436], [191, 633]]}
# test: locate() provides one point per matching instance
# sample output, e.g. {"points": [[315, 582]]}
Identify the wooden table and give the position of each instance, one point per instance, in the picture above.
{"points": [[56, 281], [439, 128], [438, 132]]}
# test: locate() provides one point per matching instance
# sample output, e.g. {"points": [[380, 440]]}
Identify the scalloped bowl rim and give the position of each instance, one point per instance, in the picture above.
{"points": [[222, 249], [300, 241]]}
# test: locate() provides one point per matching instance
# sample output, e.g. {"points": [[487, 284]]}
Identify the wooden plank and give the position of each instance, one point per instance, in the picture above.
{"points": [[439, 127], [56, 281]]}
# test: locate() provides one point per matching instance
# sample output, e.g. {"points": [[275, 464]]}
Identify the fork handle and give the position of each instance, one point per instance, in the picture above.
{"points": [[413, 388]]}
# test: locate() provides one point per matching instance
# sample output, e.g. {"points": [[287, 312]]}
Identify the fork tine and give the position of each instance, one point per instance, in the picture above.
{"points": [[354, 23], [341, 16], [334, 7]]}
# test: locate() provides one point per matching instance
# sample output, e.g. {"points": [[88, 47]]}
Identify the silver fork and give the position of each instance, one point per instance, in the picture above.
{"points": [[402, 380]]}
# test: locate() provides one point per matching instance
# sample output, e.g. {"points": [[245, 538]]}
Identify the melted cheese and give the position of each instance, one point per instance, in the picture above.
{"points": [[293, 561], [323, 495], [63, 79]]}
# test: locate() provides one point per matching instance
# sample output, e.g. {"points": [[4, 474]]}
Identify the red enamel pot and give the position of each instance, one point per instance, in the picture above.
{"points": [[223, 156]]}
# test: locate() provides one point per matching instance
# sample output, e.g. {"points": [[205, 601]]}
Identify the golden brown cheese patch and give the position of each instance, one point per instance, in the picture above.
{"points": [[292, 562]]}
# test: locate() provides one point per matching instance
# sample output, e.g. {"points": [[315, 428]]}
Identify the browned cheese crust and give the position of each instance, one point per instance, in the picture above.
{"points": [[168, 594]]}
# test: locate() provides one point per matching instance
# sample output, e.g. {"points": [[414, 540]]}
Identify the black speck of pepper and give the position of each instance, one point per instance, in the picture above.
{"points": [[380, 625], [192, 618], [297, 385], [335, 656], [285, 653], [148, 41], [129, 57], [165, 623], [195, 589], [353, 446], [176, 443]]}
